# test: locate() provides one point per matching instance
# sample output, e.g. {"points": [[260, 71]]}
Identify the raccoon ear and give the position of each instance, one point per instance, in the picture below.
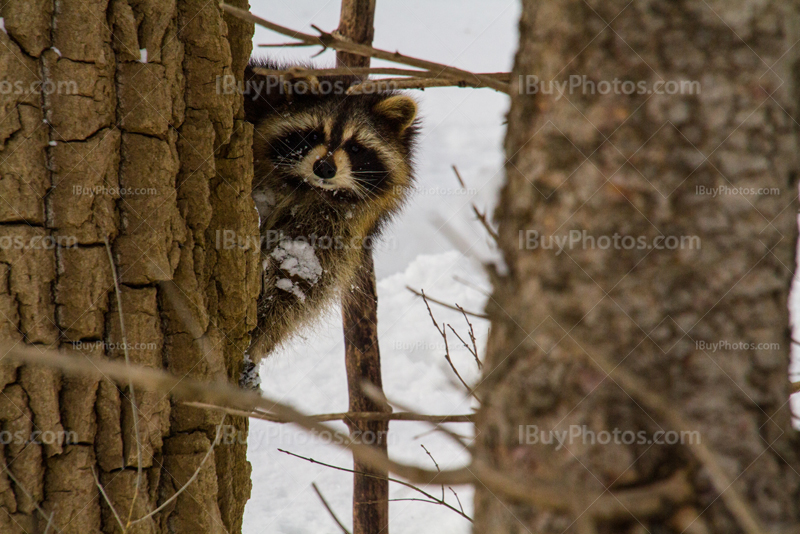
{"points": [[262, 94], [398, 110]]}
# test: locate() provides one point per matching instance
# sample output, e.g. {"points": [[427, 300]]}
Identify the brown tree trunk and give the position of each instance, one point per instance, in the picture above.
{"points": [[636, 165], [141, 150], [360, 321]]}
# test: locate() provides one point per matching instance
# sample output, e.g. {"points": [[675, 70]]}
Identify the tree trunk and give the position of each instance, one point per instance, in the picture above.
{"points": [[360, 322], [140, 149], [640, 165]]}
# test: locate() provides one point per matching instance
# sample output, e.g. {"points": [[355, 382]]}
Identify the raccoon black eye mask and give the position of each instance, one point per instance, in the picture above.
{"points": [[330, 171]]}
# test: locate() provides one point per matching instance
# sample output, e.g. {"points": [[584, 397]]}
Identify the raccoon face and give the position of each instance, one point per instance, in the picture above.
{"points": [[345, 148], [353, 146]]}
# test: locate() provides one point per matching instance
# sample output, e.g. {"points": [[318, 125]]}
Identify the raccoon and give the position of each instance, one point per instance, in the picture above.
{"points": [[331, 170]]}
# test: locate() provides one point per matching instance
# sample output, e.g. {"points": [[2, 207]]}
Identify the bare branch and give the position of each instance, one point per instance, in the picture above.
{"points": [[471, 337], [431, 456], [390, 479], [446, 305], [368, 71], [551, 496], [460, 506], [389, 84], [458, 177], [485, 222], [345, 416], [471, 350], [481, 216], [377, 395], [328, 508], [443, 332], [329, 40], [282, 45]]}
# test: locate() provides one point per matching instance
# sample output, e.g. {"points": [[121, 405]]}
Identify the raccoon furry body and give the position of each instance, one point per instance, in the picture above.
{"points": [[330, 171]]}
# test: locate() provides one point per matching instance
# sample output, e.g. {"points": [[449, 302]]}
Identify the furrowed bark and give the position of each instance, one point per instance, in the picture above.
{"points": [[127, 139]]}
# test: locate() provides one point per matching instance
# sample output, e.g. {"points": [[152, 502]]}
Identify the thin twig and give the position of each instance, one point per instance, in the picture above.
{"points": [[191, 479], [434, 463], [469, 349], [485, 222], [134, 407], [446, 305], [443, 332], [282, 45], [431, 456], [368, 71], [457, 499], [372, 475], [25, 491], [396, 84], [49, 522], [471, 337], [329, 509], [108, 501], [345, 416], [481, 216], [329, 40], [458, 177]]}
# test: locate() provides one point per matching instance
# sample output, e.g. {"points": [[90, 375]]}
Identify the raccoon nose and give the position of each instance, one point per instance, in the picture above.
{"points": [[324, 169]]}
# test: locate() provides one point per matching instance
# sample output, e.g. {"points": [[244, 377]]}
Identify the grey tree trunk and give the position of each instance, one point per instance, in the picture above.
{"points": [[119, 132], [640, 165]]}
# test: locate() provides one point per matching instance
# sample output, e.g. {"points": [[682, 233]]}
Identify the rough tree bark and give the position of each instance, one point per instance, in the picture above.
{"points": [[142, 150], [360, 322], [633, 164]]}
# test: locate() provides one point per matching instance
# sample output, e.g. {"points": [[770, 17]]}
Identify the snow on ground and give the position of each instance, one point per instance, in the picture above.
{"points": [[461, 127]]}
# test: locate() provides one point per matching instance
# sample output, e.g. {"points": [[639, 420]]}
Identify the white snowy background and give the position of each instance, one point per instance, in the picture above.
{"points": [[436, 245]]}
